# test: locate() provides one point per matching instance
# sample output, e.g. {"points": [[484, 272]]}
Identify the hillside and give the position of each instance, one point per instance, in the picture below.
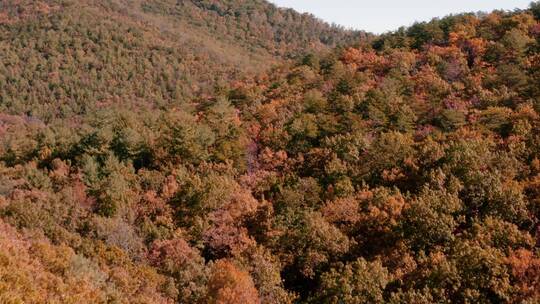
{"points": [[141, 162], [83, 54]]}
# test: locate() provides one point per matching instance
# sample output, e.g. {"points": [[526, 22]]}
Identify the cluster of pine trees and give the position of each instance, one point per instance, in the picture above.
{"points": [[135, 168]]}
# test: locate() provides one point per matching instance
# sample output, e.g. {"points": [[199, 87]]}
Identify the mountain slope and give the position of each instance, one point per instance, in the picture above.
{"points": [[397, 166], [78, 55], [141, 161]]}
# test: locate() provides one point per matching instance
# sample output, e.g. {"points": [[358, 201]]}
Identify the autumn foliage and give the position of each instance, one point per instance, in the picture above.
{"points": [[233, 152]]}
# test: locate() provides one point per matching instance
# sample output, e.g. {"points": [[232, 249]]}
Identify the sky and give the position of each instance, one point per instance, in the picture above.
{"points": [[378, 16]]}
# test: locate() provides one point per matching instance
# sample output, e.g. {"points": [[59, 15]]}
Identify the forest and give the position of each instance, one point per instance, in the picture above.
{"points": [[230, 152]]}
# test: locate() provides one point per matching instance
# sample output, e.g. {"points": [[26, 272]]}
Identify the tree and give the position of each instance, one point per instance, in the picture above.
{"points": [[431, 219], [229, 285], [184, 263], [535, 8], [359, 282]]}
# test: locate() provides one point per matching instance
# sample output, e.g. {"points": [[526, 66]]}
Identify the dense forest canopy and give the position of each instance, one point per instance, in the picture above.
{"points": [[84, 54], [160, 151]]}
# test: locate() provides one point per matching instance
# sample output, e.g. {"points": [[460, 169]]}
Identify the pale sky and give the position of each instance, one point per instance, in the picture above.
{"points": [[378, 16]]}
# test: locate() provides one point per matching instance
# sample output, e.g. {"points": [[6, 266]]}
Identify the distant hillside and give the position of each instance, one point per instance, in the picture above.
{"points": [[73, 56], [256, 25]]}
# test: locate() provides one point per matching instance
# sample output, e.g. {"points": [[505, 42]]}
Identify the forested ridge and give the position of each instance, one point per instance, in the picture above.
{"points": [[159, 151], [85, 54]]}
